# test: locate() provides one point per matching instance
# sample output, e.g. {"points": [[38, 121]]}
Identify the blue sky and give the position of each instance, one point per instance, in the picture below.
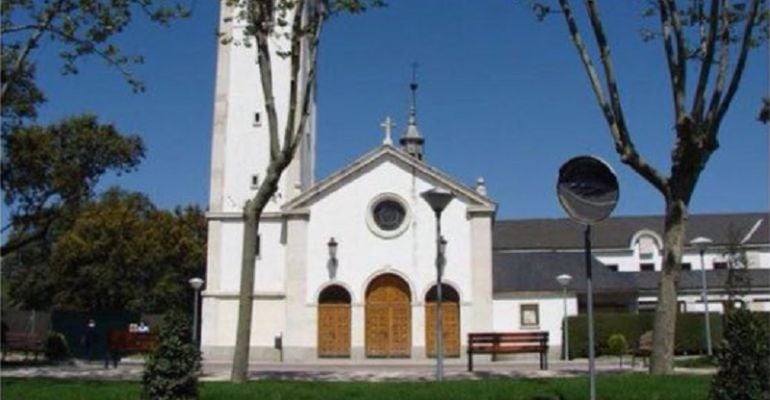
{"points": [[501, 96]]}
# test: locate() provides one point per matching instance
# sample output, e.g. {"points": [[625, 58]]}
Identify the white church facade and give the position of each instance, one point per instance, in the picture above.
{"points": [[346, 265]]}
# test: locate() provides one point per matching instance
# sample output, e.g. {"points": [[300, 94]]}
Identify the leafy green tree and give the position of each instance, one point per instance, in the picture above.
{"points": [[50, 171], [706, 46], [120, 253], [300, 22], [74, 28]]}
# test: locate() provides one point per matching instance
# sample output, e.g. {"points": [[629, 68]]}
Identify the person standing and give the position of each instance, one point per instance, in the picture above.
{"points": [[89, 339]]}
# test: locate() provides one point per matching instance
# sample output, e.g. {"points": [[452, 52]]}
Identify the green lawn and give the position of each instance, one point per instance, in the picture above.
{"points": [[625, 387]]}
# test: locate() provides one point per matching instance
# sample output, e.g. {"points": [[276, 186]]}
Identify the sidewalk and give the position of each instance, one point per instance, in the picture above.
{"points": [[333, 370]]}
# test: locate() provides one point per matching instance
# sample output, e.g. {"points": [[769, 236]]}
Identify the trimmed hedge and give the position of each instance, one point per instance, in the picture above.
{"points": [[689, 331]]}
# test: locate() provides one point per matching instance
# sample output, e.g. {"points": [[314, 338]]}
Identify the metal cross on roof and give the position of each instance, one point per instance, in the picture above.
{"points": [[388, 126]]}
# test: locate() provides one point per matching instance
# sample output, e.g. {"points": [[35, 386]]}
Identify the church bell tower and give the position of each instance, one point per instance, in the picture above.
{"points": [[240, 139]]}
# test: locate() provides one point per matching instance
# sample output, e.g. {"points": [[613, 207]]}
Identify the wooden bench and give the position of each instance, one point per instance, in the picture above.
{"points": [[643, 348], [508, 343], [23, 342], [121, 342]]}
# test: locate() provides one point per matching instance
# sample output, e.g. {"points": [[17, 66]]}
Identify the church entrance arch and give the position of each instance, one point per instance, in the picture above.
{"points": [[388, 317], [450, 314], [334, 322]]}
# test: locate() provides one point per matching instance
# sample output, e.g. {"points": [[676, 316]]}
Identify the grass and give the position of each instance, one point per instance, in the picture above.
{"points": [[609, 387]]}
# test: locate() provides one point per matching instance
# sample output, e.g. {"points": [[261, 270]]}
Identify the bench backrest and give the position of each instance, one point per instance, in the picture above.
{"points": [[23, 341], [507, 337], [645, 341]]}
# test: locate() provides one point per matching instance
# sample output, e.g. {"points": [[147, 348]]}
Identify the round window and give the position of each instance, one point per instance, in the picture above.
{"points": [[388, 215]]}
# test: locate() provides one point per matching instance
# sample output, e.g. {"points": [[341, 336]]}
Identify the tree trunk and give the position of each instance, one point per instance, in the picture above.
{"points": [[663, 336], [245, 297], [252, 214]]}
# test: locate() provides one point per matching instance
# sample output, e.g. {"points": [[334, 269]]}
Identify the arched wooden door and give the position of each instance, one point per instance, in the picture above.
{"points": [[388, 317], [450, 314], [334, 322]]}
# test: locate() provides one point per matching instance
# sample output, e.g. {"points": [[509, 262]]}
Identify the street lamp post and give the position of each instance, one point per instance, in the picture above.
{"points": [[564, 280], [702, 243], [196, 284], [438, 199]]}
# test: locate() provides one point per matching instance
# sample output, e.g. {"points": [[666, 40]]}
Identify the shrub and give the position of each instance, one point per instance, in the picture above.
{"points": [[744, 360], [618, 346], [171, 373], [56, 347]]}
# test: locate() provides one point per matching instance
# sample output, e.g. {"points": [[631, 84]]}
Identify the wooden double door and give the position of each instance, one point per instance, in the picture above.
{"points": [[388, 318]]}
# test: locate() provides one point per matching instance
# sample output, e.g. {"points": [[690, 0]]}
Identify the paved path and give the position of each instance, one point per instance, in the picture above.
{"points": [[334, 370]]}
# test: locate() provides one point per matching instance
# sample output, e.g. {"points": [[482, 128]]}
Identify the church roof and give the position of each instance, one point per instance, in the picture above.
{"points": [[537, 272], [399, 156], [617, 232]]}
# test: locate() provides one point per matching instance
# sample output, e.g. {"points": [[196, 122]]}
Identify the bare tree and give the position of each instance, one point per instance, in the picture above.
{"points": [[300, 21], [710, 38]]}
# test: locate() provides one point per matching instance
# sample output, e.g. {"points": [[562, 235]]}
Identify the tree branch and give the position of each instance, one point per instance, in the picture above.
{"points": [[310, 80], [681, 59], [262, 19], [674, 67], [706, 61], [724, 53], [30, 44], [623, 143], [17, 243], [740, 64], [297, 36], [128, 75]]}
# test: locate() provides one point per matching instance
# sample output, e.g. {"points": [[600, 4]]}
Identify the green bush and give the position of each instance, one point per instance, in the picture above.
{"points": [[618, 346], [744, 360], [56, 347], [171, 373]]}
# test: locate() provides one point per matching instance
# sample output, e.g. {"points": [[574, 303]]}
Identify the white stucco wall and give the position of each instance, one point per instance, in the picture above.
{"points": [[507, 317], [362, 254]]}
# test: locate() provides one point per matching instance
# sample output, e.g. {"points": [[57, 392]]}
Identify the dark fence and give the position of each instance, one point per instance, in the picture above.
{"points": [[74, 326]]}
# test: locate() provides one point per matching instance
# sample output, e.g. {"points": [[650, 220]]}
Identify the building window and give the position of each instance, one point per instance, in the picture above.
{"points": [[686, 267], [647, 247], [254, 184], [647, 267], [530, 315], [646, 306], [720, 265], [257, 119], [612, 267], [388, 215]]}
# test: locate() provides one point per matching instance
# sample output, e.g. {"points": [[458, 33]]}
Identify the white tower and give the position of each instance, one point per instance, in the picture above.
{"points": [[239, 159], [240, 142]]}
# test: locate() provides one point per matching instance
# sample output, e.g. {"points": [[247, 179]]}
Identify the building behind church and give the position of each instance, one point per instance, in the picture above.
{"points": [[345, 265]]}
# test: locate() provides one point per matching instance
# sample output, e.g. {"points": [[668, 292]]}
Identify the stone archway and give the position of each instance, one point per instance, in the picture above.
{"points": [[450, 314], [334, 322], [388, 316]]}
